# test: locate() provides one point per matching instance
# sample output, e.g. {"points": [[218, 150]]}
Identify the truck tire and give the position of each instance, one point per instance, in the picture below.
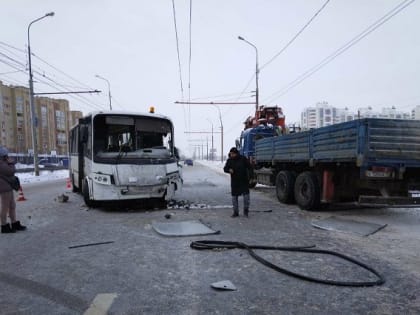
{"points": [[252, 181], [285, 184], [307, 191]]}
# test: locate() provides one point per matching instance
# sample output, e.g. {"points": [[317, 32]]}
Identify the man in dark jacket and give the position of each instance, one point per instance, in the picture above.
{"points": [[239, 169]]}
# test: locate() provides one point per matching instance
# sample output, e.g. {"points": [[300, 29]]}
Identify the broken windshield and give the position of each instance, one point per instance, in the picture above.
{"points": [[130, 137]]}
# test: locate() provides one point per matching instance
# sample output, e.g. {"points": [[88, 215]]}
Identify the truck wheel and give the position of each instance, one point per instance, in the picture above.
{"points": [[307, 191], [285, 182], [86, 197], [252, 181]]}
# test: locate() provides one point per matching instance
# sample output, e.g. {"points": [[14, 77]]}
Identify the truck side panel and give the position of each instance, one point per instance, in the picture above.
{"points": [[336, 142], [287, 148], [394, 141], [386, 141]]}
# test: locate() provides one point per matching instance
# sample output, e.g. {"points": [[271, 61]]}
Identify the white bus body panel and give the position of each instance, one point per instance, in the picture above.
{"points": [[133, 181]]}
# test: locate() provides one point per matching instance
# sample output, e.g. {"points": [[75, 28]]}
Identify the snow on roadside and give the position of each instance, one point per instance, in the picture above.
{"points": [[29, 177], [214, 165]]}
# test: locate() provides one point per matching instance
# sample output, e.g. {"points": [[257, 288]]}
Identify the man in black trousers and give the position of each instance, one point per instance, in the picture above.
{"points": [[239, 169]]}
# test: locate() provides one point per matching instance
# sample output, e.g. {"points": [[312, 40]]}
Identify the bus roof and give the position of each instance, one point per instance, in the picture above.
{"points": [[116, 112]]}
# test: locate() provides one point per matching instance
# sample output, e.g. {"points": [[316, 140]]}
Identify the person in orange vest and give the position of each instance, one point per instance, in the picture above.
{"points": [[8, 204]]}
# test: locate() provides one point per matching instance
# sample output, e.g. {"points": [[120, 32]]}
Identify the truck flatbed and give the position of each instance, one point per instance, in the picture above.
{"points": [[367, 142]]}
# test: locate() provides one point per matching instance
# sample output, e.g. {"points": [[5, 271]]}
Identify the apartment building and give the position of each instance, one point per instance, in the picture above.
{"points": [[321, 115], [324, 114], [53, 121], [415, 113]]}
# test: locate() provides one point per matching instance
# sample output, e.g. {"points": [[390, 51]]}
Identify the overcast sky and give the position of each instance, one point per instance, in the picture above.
{"points": [[133, 45]]}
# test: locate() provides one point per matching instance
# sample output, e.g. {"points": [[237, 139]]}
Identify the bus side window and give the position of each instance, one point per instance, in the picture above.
{"points": [[84, 133]]}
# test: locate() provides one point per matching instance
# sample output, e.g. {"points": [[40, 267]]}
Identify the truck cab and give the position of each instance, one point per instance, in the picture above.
{"points": [[246, 143]]}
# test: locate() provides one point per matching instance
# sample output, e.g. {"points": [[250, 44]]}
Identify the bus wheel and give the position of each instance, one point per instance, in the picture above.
{"points": [[307, 191], [86, 197], [161, 203], [73, 187], [285, 182]]}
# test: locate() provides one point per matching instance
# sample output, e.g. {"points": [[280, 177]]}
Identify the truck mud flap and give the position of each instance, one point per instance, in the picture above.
{"points": [[402, 202]]}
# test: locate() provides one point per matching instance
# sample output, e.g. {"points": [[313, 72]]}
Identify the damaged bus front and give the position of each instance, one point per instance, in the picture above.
{"points": [[124, 156]]}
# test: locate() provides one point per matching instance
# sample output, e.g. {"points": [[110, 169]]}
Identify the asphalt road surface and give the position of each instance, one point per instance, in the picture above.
{"points": [[138, 271]]}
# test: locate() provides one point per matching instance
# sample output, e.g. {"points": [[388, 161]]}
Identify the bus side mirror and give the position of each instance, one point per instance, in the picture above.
{"points": [[176, 153], [84, 134], [237, 144]]}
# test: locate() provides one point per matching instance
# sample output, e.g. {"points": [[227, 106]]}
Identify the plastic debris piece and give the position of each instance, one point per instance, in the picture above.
{"points": [[183, 228], [224, 285]]}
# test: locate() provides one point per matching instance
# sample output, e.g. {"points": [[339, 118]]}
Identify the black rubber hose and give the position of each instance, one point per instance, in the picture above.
{"points": [[210, 244]]}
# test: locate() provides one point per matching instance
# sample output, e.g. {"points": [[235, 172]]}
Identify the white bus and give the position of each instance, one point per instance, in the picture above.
{"points": [[124, 156]]}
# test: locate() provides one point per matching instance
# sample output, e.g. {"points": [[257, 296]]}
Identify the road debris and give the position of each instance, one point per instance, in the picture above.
{"points": [[62, 198], [260, 210], [183, 228], [90, 244], [346, 225], [224, 285]]}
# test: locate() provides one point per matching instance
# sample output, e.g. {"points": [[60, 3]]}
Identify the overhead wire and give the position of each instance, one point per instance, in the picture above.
{"points": [[12, 59], [84, 99], [189, 66], [179, 61], [13, 47], [215, 96], [41, 73], [283, 49], [67, 87], [83, 85], [62, 72], [340, 50], [8, 63], [11, 80], [11, 72], [296, 36]]}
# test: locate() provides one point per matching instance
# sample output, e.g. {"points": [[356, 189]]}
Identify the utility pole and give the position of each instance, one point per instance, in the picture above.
{"points": [[31, 98], [221, 130], [212, 146], [109, 89], [206, 132], [256, 72], [220, 117], [207, 144]]}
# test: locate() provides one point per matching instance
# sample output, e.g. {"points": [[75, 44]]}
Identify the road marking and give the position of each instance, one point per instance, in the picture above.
{"points": [[101, 304]]}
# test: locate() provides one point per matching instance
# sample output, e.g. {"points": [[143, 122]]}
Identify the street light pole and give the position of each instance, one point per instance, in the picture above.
{"points": [[212, 144], [109, 89], [221, 132], [256, 72], [31, 98]]}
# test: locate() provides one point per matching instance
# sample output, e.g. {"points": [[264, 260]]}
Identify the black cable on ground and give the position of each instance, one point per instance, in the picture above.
{"points": [[210, 244]]}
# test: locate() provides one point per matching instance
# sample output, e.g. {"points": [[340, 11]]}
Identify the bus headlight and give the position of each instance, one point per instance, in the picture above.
{"points": [[102, 179]]}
